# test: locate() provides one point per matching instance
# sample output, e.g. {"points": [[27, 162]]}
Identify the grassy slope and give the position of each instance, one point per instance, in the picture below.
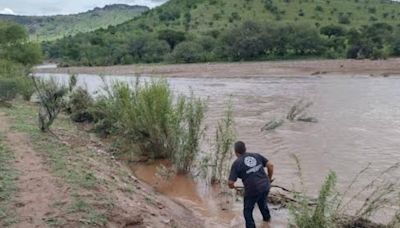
{"points": [[53, 27], [103, 193], [209, 15], [8, 177]]}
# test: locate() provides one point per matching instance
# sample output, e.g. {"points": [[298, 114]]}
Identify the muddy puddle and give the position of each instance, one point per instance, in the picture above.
{"points": [[204, 200], [358, 124]]}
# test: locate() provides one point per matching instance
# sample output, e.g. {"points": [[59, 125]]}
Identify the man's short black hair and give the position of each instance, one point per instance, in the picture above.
{"points": [[240, 147]]}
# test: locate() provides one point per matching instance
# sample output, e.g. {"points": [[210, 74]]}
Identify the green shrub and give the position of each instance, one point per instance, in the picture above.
{"points": [[191, 131], [225, 136], [8, 89], [148, 115], [79, 106], [379, 54], [322, 215], [26, 88], [51, 99], [332, 208], [19, 74], [187, 52]]}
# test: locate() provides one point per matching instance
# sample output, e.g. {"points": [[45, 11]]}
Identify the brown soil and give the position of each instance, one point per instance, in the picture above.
{"points": [[247, 69], [134, 204], [37, 188]]}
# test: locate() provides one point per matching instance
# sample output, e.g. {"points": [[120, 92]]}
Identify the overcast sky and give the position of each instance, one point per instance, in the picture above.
{"points": [[51, 7]]}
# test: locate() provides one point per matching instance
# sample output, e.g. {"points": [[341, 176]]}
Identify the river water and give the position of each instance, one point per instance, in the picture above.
{"points": [[358, 123]]}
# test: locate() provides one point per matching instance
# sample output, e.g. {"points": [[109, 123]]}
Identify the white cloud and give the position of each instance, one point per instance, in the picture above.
{"points": [[7, 11], [51, 7]]}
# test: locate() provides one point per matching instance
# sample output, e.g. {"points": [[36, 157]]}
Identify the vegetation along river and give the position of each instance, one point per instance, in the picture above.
{"points": [[358, 124]]}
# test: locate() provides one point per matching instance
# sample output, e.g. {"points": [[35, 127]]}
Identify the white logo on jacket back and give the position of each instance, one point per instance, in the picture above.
{"points": [[250, 161]]}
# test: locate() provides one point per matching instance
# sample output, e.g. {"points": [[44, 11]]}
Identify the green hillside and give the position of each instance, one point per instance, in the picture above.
{"points": [[225, 30], [206, 15], [53, 27]]}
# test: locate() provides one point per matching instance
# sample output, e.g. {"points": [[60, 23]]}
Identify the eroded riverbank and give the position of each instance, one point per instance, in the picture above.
{"points": [[246, 69], [357, 122]]}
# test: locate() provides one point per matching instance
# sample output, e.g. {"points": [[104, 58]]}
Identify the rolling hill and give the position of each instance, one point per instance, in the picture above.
{"points": [[206, 15], [53, 27], [204, 23]]}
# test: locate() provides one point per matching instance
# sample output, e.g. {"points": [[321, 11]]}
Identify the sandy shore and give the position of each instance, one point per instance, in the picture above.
{"points": [[246, 69]]}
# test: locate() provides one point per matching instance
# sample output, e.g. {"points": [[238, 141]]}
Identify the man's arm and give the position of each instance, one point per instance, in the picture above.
{"points": [[270, 169], [233, 175]]}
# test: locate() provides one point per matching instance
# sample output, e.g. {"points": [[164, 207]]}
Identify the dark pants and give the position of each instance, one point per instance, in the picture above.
{"points": [[249, 202]]}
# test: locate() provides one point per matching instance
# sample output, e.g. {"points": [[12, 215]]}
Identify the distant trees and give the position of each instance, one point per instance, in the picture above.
{"points": [[254, 41], [396, 44], [249, 40], [14, 45], [148, 49], [12, 33], [171, 36], [333, 30], [17, 56], [187, 52], [245, 42], [370, 41]]}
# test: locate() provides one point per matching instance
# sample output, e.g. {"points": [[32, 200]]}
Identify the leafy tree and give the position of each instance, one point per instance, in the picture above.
{"points": [[12, 33], [16, 57], [172, 37], [305, 40], [333, 30], [244, 42], [13, 45], [369, 41], [25, 53], [187, 52], [155, 50], [396, 46]]}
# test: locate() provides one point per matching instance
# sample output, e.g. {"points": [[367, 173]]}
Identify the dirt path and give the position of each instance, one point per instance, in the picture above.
{"points": [[37, 188]]}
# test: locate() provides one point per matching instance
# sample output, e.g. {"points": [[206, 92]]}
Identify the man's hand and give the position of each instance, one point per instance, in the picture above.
{"points": [[231, 184], [270, 168]]}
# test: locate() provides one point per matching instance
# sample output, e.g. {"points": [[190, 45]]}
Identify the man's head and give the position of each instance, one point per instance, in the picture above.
{"points": [[240, 148]]}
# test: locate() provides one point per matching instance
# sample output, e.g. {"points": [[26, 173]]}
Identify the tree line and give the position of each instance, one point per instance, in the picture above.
{"points": [[248, 41], [17, 56]]}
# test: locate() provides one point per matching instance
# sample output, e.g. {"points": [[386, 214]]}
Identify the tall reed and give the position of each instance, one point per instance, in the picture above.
{"points": [[225, 136], [149, 115]]}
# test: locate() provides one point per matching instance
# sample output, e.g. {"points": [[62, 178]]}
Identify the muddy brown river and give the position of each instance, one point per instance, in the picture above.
{"points": [[358, 124]]}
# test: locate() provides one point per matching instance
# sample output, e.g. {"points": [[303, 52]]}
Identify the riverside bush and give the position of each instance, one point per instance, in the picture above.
{"points": [[19, 75], [51, 99], [225, 136], [79, 105], [331, 208], [322, 214], [190, 127], [8, 89], [148, 115]]}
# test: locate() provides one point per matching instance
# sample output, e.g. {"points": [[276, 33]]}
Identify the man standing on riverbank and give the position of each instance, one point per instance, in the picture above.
{"points": [[250, 168]]}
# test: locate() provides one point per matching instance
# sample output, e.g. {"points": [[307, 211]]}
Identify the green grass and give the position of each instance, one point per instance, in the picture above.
{"points": [[8, 176], [64, 161], [93, 217], [52, 27], [59, 154], [206, 16]]}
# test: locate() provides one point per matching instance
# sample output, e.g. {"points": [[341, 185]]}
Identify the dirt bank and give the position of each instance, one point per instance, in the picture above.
{"points": [[246, 69], [38, 189], [70, 181]]}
